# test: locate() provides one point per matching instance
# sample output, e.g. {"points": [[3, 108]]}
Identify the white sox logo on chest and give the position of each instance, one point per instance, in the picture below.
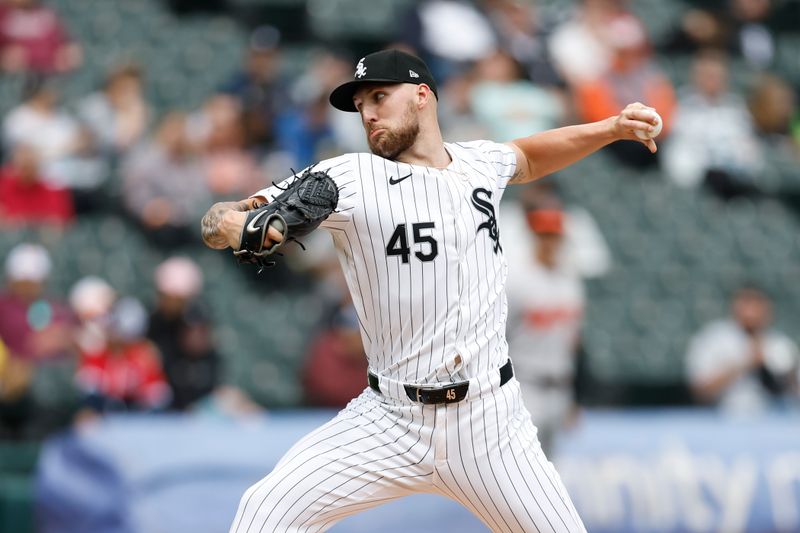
{"points": [[485, 206]]}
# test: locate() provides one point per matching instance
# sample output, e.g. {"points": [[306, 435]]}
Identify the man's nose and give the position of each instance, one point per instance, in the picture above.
{"points": [[368, 115]]}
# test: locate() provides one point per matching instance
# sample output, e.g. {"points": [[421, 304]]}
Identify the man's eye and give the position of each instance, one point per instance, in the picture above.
{"points": [[379, 95]]}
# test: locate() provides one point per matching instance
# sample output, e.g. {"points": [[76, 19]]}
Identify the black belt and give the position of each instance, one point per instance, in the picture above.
{"points": [[450, 393]]}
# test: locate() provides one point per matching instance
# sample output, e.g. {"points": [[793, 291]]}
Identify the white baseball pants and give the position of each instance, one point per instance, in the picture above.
{"points": [[481, 452]]}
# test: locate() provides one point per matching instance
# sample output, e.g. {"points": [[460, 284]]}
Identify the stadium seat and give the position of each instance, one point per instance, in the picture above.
{"points": [[343, 19], [16, 504], [788, 57], [18, 456], [659, 17]]}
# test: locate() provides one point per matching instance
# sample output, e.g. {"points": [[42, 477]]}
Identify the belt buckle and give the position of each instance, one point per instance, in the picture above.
{"points": [[436, 395]]}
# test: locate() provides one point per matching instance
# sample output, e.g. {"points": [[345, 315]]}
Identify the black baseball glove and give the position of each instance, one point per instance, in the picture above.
{"points": [[297, 211]]}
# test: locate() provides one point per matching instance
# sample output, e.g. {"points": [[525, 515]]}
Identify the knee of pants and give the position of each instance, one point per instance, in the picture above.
{"points": [[257, 507], [286, 501]]}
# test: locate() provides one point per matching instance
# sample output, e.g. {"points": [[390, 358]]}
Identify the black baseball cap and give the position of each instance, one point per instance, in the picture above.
{"points": [[389, 66]]}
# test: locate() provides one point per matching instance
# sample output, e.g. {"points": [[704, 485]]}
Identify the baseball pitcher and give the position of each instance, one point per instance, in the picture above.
{"points": [[415, 228]]}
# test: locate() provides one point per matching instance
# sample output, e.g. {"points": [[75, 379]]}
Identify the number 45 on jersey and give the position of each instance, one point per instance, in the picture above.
{"points": [[426, 247]]}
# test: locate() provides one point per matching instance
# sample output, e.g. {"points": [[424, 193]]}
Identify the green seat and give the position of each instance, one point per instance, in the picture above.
{"points": [[342, 19], [18, 457], [788, 57], [658, 16], [16, 504], [266, 3]]}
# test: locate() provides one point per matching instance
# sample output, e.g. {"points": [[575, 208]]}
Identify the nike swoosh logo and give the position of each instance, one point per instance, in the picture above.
{"points": [[251, 226], [393, 181]]}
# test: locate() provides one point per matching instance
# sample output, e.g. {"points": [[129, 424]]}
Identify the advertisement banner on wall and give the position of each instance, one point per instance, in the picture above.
{"points": [[665, 471]]}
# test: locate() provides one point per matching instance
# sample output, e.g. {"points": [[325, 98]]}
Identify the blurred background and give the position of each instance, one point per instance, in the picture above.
{"points": [[654, 300]]}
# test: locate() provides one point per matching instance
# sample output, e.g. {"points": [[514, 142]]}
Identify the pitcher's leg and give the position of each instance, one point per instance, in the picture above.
{"points": [[366, 456], [496, 468]]}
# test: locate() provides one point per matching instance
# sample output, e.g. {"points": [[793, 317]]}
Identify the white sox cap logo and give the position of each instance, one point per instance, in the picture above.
{"points": [[361, 70]]}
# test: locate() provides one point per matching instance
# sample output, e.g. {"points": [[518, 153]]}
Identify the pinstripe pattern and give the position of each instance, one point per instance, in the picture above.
{"points": [[432, 308], [481, 452]]}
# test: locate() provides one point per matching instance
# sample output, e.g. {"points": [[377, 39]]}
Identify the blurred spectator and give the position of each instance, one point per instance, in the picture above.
{"points": [[456, 116], [337, 351], [632, 77], [524, 35], [583, 248], [579, 46], [182, 331], [16, 402], [26, 197], [91, 299], [327, 71], [33, 38], [448, 34], [218, 132], [118, 115], [741, 363], [306, 134], [740, 28], [35, 330], [64, 148], [125, 373], [751, 38], [546, 304], [259, 87], [698, 29], [509, 106], [33, 326], [773, 105], [713, 139], [314, 129], [164, 186]]}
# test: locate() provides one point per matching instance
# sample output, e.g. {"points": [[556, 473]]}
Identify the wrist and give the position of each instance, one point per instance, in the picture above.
{"points": [[609, 129], [232, 225]]}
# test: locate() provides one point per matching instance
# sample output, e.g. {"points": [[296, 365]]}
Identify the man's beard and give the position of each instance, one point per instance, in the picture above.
{"points": [[392, 143]]}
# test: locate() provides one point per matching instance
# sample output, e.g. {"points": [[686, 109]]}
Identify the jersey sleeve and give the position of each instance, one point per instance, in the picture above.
{"points": [[341, 170], [781, 354], [706, 356], [500, 157]]}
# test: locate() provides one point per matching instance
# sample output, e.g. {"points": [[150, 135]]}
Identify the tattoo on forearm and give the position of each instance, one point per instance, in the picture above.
{"points": [[211, 225]]}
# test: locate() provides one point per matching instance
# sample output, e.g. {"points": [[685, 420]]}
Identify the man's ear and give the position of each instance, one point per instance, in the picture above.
{"points": [[424, 94]]}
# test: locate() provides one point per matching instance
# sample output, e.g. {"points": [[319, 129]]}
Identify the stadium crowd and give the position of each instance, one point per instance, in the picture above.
{"points": [[506, 68]]}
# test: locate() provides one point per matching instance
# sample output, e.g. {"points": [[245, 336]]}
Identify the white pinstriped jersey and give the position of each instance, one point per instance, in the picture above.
{"points": [[421, 252]]}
